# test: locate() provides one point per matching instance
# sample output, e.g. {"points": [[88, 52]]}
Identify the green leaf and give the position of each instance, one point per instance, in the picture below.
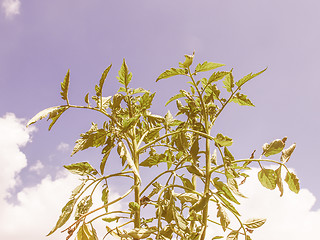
{"points": [[229, 82], [179, 95], [194, 150], [248, 77], [65, 215], [233, 186], [111, 219], [153, 160], [134, 206], [77, 190], [293, 182], [81, 168], [124, 74], [125, 155], [268, 178], [65, 87], [207, 66], [187, 63], [224, 219], [101, 82], [181, 141], [85, 234], [86, 98], [223, 140], [220, 186], [140, 233], [94, 137], [242, 100], [279, 180], [195, 170], [273, 148], [106, 151], [53, 112], [201, 204], [286, 153], [83, 207], [172, 72], [216, 76], [187, 183], [227, 204], [181, 222], [129, 123], [233, 235], [146, 101], [105, 197], [187, 197], [254, 222]]}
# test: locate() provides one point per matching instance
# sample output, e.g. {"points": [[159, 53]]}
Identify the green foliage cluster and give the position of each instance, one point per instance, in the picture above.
{"points": [[200, 167]]}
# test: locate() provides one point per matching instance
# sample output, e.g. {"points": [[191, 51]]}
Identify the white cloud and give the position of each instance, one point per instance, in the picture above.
{"points": [[37, 167], [38, 207], [288, 217], [11, 7], [63, 147]]}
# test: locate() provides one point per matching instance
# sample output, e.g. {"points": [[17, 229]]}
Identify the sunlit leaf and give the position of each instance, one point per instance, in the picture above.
{"points": [[187, 62], [195, 170], [293, 182], [83, 207], [223, 140], [248, 77], [279, 180], [81, 168], [207, 66], [124, 74], [220, 186], [181, 222], [233, 185], [229, 82], [286, 153], [187, 183], [187, 197], [140, 233], [85, 234], [105, 197], [268, 178], [101, 82], [127, 156], [201, 204], [233, 235], [227, 204], [216, 76], [65, 215], [65, 86], [242, 99], [224, 219], [273, 148], [53, 112], [86, 98], [172, 72], [110, 219], [94, 137], [254, 222], [106, 151]]}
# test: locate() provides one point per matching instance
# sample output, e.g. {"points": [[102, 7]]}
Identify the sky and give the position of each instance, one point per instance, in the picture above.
{"points": [[41, 40]]}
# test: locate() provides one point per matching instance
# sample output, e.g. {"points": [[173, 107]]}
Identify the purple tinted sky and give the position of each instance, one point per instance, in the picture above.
{"points": [[47, 38]]}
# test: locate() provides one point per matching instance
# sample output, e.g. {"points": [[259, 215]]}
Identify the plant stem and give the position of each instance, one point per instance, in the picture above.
{"points": [[137, 182]]}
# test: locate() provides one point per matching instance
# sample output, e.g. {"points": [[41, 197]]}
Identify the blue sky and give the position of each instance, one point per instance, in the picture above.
{"points": [[41, 40]]}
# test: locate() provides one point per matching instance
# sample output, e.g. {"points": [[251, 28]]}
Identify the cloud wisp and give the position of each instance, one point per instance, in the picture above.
{"points": [[11, 8]]}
